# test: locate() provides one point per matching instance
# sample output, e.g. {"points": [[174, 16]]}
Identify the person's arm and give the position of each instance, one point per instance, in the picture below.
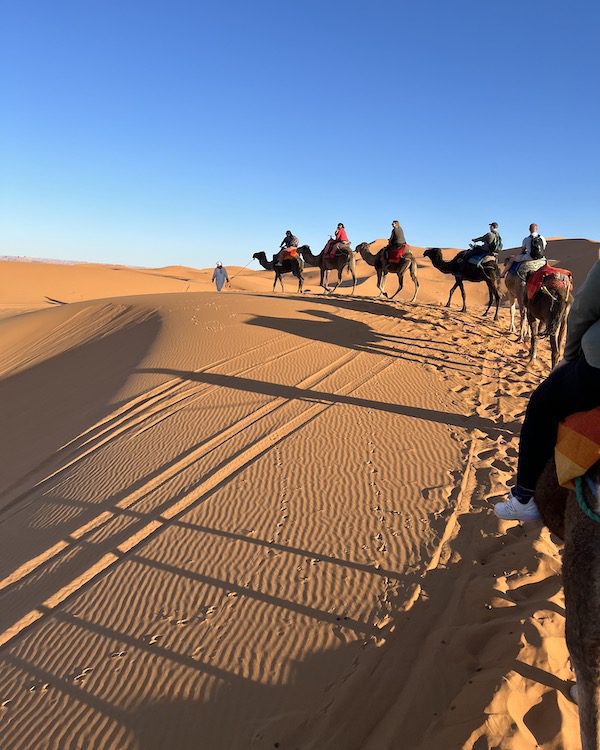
{"points": [[584, 313], [483, 238], [525, 255], [226, 275], [214, 276]]}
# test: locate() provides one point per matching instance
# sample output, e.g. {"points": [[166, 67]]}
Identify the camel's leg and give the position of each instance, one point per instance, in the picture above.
{"points": [[513, 310], [300, 277], [554, 350], [384, 274], [497, 298], [323, 282], [353, 274], [461, 286], [275, 281], [562, 333], [533, 326], [490, 296], [452, 292], [381, 282], [415, 280], [339, 281], [400, 275], [352, 269]]}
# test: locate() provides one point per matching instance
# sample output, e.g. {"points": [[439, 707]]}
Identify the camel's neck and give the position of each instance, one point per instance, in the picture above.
{"points": [[367, 255], [309, 258], [441, 264], [266, 264]]}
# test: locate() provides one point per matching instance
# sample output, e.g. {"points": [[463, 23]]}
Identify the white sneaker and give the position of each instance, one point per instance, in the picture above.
{"points": [[513, 510]]}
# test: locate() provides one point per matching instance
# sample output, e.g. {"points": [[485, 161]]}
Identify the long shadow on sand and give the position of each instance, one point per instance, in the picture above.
{"points": [[406, 678], [276, 390]]}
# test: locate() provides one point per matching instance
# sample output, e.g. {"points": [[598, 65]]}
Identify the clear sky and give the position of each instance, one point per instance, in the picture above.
{"points": [[151, 133]]}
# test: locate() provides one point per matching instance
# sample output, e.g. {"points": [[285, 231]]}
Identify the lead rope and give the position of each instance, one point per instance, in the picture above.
{"points": [[581, 498], [241, 269]]}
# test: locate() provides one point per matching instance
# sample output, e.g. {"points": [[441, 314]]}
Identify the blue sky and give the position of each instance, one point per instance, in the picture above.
{"points": [[154, 133]]}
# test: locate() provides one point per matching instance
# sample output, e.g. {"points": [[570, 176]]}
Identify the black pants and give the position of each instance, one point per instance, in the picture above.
{"points": [[573, 387]]}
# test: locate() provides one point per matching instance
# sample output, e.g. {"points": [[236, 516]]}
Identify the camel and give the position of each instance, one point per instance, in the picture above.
{"points": [[407, 263], [581, 570], [551, 306], [290, 265], [516, 298], [326, 263], [486, 272]]}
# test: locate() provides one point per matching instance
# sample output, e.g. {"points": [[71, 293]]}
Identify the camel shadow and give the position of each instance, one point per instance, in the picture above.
{"points": [[277, 390]]}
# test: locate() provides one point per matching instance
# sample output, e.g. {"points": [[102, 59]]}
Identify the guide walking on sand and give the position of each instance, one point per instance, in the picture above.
{"points": [[220, 276]]}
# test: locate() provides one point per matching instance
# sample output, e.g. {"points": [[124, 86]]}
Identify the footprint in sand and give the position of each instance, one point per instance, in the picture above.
{"points": [[82, 675]]}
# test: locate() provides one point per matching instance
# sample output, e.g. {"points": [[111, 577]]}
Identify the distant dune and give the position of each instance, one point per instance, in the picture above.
{"points": [[250, 521]]}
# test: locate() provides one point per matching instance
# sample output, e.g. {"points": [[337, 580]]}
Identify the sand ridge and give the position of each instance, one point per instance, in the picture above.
{"points": [[240, 520]]}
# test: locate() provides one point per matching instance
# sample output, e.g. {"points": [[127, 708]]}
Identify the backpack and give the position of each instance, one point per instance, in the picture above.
{"points": [[537, 248]]}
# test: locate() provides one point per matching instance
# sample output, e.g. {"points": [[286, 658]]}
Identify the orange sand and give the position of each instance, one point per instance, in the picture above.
{"points": [[240, 520]]}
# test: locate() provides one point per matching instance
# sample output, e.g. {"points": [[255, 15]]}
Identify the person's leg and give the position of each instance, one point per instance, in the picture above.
{"points": [[572, 387]]}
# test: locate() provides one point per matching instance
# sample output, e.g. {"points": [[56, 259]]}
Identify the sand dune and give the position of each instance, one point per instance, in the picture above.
{"points": [[240, 520]]}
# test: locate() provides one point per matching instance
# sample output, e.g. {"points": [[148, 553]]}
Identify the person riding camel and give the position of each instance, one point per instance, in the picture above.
{"points": [[337, 242], [289, 245], [396, 242], [573, 386], [532, 257], [489, 243]]}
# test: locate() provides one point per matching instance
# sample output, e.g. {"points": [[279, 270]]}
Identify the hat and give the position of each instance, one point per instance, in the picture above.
{"points": [[219, 264], [494, 224]]}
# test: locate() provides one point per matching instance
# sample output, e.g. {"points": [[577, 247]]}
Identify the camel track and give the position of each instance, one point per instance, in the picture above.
{"points": [[211, 541]]}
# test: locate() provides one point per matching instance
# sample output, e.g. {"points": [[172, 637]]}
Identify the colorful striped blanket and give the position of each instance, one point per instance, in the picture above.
{"points": [[577, 446]]}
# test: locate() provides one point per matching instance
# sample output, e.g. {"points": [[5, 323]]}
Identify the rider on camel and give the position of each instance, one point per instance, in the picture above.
{"points": [[337, 242], [573, 386], [532, 257], [489, 243], [397, 241], [289, 245]]}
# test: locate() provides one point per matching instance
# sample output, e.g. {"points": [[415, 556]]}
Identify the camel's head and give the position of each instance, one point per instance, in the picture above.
{"points": [[257, 256], [507, 262], [362, 247], [432, 252]]}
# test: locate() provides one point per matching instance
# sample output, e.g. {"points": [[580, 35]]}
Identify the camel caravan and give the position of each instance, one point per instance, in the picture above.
{"points": [[558, 472], [542, 293]]}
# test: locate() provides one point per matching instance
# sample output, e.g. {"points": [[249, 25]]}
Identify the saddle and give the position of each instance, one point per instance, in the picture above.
{"points": [[333, 248], [561, 278], [395, 254], [577, 446], [290, 253]]}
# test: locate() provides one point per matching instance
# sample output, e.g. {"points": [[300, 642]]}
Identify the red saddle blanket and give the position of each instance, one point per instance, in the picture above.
{"points": [[394, 255], [562, 278], [290, 253]]}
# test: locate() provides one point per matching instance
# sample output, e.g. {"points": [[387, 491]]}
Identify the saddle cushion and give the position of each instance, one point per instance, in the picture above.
{"points": [[562, 278], [577, 446], [395, 255], [480, 259], [291, 253]]}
